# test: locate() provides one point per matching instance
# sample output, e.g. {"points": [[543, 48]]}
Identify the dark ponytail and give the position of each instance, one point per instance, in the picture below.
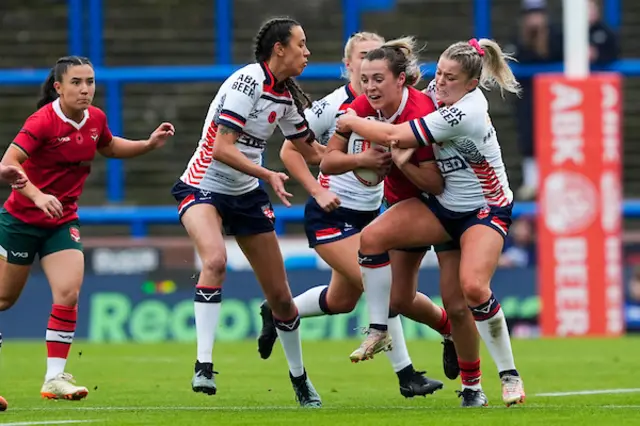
{"points": [[278, 30], [48, 92]]}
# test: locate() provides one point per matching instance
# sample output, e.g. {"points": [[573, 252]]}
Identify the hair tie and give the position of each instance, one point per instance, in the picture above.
{"points": [[474, 43]]}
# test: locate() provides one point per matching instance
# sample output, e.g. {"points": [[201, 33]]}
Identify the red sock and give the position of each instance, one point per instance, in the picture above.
{"points": [[444, 326], [470, 372], [60, 330]]}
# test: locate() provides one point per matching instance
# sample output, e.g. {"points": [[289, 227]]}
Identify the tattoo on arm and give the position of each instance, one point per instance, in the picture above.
{"points": [[223, 130]]}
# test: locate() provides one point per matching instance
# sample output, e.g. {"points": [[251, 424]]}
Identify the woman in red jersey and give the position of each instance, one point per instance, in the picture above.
{"points": [[387, 97], [54, 149], [388, 75]]}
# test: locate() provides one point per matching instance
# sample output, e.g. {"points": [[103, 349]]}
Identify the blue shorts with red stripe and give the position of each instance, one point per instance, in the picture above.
{"points": [[456, 223], [324, 228], [245, 214]]}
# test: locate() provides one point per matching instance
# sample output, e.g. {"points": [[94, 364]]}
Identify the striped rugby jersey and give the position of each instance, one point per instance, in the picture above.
{"points": [[252, 104], [466, 147]]}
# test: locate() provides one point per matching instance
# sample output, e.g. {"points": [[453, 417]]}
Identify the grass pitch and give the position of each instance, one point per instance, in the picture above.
{"points": [[140, 384]]}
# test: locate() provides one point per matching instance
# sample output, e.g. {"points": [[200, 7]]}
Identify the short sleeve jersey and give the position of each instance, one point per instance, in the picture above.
{"points": [[60, 155], [466, 147], [252, 103], [322, 115], [414, 104]]}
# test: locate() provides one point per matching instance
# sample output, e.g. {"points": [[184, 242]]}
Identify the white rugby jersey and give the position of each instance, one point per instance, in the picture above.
{"points": [[322, 120], [250, 103], [466, 148]]}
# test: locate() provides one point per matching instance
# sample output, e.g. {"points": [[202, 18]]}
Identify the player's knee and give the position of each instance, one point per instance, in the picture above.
{"points": [[6, 302], [282, 304], [214, 267], [371, 241], [400, 302], [476, 291], [66, 296], [457, 311]]}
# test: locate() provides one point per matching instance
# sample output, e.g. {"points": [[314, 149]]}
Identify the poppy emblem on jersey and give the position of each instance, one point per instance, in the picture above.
{"points": [[483, 213], [79, 138], [272, 117], [94, 134], [268, 212], [75, 234]]}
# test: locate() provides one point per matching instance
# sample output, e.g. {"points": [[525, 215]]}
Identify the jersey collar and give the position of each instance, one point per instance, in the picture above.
{"points": [[60, 114], [351, 93], [403, 103], [270, 80]]}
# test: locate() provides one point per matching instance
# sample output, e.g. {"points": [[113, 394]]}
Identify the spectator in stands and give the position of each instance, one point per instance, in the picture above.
{"points": [[537, 42], [632, 302], [519, 247], [633, 290], [603, 42]]}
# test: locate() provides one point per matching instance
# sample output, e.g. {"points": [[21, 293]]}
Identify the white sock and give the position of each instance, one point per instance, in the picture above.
{"points": [[308, 303], [472, 387], [399, 355], [495, 334], [55, 366], [289, 334], [206, 306], [530, 172], [377, 290]]}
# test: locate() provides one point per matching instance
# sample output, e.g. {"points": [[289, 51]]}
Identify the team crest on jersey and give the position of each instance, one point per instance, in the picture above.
{"points": [[272, 117], [483, 213], [74, 233], [268, 212], [94, 134]]}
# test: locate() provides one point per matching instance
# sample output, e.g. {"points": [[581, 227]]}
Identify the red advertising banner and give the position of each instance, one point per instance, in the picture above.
{"points": [[578, 146]]}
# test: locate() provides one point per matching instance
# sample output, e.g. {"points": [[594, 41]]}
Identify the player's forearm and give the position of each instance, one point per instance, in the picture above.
{"points": [[232, 157], [376, 131], [383, 133], [125, 148], [426, 180], [30, 190], [336, 162], [311, 153], [297, 166]]}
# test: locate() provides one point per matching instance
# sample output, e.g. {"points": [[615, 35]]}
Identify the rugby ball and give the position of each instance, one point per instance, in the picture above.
{"points": [[358, 144]]}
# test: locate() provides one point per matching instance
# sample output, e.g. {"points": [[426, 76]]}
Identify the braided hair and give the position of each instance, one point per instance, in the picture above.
{"points": [[48, 91], [278, 30]]}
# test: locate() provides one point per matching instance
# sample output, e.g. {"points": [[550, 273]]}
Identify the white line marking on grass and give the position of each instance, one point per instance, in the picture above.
{"points": [[335, 408], [51, 422], [590, 392]]}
